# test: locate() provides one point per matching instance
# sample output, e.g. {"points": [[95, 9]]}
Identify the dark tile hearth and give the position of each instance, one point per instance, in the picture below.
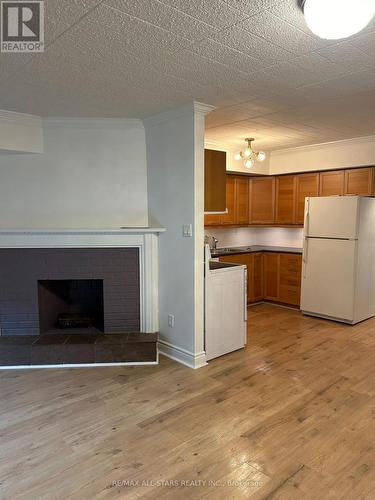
{"points": [[55, 349]]}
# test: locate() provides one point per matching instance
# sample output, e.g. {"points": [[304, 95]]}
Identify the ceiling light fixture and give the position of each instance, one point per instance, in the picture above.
{"points": [[335, 19], [249, 156]]}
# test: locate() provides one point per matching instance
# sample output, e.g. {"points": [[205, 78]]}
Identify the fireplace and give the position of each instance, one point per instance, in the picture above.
{"points": [[78, 297], [71, 305], [51, 289]]}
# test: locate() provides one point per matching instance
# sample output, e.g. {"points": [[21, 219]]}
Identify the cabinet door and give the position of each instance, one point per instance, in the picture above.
{"points": [[212, 219], [271, 275], [290, 278], [242, 200], [215, 164], [285, 199], [306, 185], [332, 183], [262, 200], [359, 181], [230, 216], [257, 277]]}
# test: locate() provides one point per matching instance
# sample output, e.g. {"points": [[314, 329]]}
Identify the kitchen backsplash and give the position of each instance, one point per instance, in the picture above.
{"points": [[236, 237]]}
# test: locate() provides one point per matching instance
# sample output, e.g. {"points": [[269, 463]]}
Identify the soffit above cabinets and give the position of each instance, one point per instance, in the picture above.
{"points": [[256, 61]]}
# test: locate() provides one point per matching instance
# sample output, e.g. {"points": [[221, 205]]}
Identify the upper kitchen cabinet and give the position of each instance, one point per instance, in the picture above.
{"points": [[215, 164], [285, 199], [230, 216], [262, 200], [306, 185], [242, 200], [332, 183], [359, 181]]}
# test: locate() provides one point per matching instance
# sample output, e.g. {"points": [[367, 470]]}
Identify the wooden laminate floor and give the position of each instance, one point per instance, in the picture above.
{"points": [[290, 417]]}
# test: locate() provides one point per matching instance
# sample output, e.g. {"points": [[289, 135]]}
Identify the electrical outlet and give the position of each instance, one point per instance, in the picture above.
{"points": [[170, 320]]}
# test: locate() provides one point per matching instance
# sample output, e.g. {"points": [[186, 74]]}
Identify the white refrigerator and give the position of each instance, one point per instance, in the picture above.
{"points": [[338, 271]]}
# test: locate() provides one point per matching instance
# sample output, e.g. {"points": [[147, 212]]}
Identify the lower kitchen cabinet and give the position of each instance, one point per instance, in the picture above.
{"points": [[290, 268], [255, 278], [271, 276]]}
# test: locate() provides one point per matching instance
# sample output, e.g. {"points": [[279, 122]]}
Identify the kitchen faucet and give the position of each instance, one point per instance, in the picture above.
{"points": [[214, 243], [211, 241]]}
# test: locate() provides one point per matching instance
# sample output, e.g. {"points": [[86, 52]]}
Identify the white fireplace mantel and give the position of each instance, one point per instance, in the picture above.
{"points": [[145, 239]]}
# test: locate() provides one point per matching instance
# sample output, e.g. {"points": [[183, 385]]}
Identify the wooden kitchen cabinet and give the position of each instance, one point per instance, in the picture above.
{"points": [[280, 200], [285, 199], [212, 219], [215, 164], [282, 277], [290, 268], [332, 183], [230, 216], [242, 200], [237, 204], [359, 181], [271, 265], [262, 200], [306, 185], [271, 276], [255, 278]]}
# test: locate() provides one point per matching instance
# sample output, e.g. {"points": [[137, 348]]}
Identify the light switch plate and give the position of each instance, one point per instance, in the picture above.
{"points": [[187, 230]]}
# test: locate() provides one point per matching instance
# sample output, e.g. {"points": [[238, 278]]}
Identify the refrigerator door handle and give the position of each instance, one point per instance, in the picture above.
{"points": [[305, 254], [306, 224], [245, 296], [306, 236]]}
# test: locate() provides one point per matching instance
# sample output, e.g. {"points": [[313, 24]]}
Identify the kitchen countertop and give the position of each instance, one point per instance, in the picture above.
{"points": [[254, 248], [214, 265]]}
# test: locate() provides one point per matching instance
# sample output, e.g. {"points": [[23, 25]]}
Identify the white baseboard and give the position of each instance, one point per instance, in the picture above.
{"points": [[182, 356], [78, 365]]}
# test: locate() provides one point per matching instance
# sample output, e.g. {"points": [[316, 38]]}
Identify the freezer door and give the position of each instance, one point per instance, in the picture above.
{"points": [[332, 217], [328, 278]]}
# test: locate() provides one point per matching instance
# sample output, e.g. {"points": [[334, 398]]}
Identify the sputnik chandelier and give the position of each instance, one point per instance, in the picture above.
{"points": [[249, 156]]}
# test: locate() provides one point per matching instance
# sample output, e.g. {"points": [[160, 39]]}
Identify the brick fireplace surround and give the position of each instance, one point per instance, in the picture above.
{"points": [[122, 264]]}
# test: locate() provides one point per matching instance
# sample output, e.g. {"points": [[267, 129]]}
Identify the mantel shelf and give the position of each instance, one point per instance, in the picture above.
{"points": [[78, 231]]}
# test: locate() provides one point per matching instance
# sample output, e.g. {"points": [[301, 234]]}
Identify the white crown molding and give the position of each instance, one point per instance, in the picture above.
{"points": [[181, 355], [92, 123], [176, 113], [200, 107], [22, 119], [325, 145]]}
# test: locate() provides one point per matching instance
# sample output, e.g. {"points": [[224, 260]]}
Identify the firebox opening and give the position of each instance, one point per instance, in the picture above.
{"points": [[75, 305]]}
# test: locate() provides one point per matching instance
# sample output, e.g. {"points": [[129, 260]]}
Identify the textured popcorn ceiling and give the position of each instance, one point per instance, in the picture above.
{"points": [[254, 59]]}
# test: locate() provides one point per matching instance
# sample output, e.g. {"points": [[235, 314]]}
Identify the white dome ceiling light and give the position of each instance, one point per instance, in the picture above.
{"points": [[336, 19]]}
